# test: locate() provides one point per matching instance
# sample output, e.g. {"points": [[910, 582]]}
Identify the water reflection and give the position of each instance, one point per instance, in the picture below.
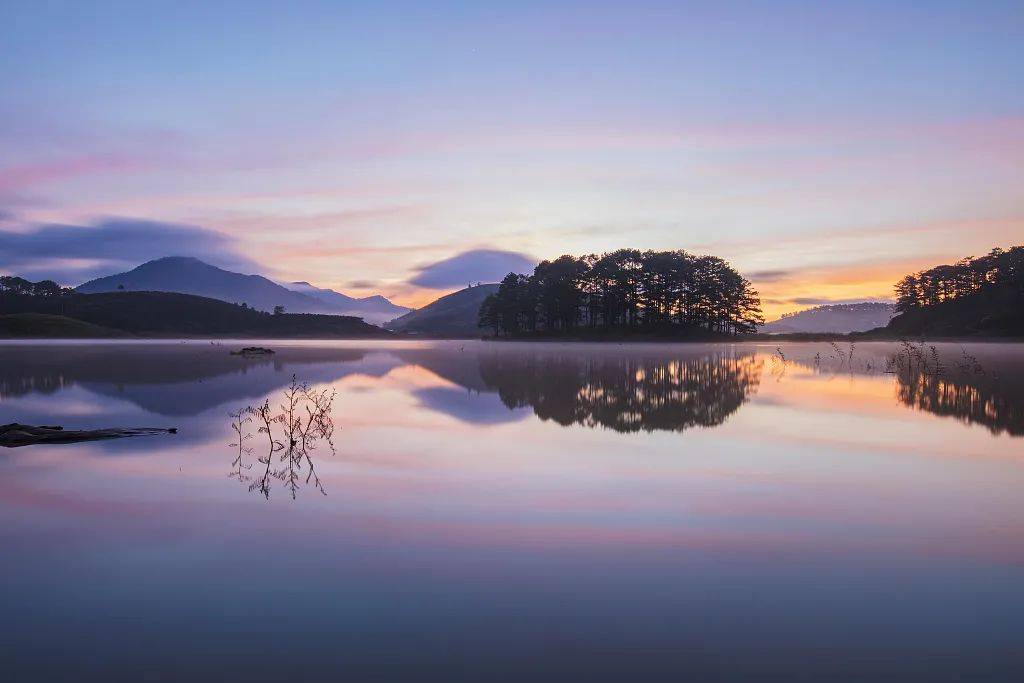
{"points": [[983, 387], [623, 392], [825, 516], [170, 379], [971, 397], [656, 388]]}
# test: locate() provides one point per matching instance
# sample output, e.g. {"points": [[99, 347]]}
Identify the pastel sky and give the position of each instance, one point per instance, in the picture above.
{"points": [[825, 149]]}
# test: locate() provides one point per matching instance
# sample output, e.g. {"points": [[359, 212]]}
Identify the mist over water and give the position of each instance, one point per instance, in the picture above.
{"points": [[499, 510]]}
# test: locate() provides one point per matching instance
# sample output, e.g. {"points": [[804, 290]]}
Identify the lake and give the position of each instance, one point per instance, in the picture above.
{"points": [[516, 511]]}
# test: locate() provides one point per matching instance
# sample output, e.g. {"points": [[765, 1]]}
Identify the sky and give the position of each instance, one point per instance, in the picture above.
{"points": [[408, 148]]}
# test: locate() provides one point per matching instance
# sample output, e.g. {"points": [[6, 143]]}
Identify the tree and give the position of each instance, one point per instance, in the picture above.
{"points": [[490, 314], [46, 288], [278, 310], [999, 270], [15, 285], [10, 284], [625, 289], [559, 284], [509, 310]]}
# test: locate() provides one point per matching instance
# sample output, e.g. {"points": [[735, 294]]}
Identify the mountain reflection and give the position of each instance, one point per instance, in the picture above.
{"points": [[624, 392], [171, 379]]}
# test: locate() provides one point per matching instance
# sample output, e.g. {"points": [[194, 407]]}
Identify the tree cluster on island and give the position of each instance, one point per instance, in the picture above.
{"points": [[973, 297], [625, 291], [1000, 269]]}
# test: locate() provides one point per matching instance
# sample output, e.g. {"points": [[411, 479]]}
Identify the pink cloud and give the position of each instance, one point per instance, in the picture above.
{"points": [[30, 175]]}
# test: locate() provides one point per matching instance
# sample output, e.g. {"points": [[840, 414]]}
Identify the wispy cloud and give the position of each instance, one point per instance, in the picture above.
{"points": [[769, 275], [363, 284], [30, 175], [72, 253]]}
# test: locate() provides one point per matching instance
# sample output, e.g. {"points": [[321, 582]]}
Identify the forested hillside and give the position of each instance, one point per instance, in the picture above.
{"points": [[973, 297], [165, 314]]}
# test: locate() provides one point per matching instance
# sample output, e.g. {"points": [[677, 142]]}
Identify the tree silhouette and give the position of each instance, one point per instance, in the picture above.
{"points": [[625, 290], [1001, 271], [10, 284]]}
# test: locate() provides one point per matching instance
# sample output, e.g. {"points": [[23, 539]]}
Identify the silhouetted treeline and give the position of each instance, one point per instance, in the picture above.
{"points": [[172, 314], [10, 284], [626, 290], [999, 270]]}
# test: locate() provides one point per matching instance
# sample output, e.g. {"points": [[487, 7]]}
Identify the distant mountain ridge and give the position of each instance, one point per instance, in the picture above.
{"points": [[189, 275], [453, 315], [373, 309], [837, 318]]}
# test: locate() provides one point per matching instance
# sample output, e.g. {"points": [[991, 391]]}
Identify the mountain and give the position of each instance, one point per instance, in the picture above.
{"points": [[373, 309], [839, 318], [168, 314], [453, 315], [186, 275]]}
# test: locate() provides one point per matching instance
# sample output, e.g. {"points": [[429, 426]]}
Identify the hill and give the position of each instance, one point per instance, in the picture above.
{"points": [[453, 315], [187, 275], [987, 313], [838, 318], [373, 309], [974, 297], [167, 314], [44, 326]]}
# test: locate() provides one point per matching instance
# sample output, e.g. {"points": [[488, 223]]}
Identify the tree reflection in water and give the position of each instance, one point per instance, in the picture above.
{"points": [[625, 393], [293, 431], [970, 396], [936, 379]]}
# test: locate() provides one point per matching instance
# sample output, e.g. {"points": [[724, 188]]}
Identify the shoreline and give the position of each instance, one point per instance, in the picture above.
{"points": [[753, 339]]}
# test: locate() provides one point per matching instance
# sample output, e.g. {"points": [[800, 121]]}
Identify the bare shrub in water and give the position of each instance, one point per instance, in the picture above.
{"points": [[294, 430], [239, 420]]}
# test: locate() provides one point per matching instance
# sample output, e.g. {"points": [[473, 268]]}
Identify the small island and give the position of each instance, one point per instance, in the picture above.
{"points": [[625, 293]]}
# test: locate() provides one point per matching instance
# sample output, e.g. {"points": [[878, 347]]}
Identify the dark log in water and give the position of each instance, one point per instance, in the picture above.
{"points": [[14, 434], [253, 351]]}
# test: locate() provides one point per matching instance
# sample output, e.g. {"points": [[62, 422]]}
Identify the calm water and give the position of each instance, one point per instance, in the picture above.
{"points": [[519, 511]]}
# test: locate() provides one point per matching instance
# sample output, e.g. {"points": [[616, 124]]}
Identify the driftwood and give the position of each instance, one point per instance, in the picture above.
{"points": [[14, 435], [253, 351]]}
